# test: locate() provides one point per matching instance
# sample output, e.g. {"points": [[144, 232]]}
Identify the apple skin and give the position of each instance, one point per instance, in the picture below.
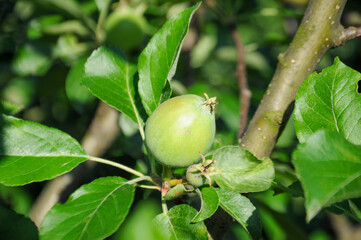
{"points": [[179, 130]]}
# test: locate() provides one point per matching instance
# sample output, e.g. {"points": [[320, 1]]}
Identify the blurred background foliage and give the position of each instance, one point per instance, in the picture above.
{"points": [[45, 43]]}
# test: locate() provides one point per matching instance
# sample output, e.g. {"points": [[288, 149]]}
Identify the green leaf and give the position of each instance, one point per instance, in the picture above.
{"points": [[102, 4], [110, 77], [175, 192], [330, 100], [31, 152], [210, 202], [240, 171], [71, 8], [16, 226], [32, 59], [329, 168], [78, 94], [355, 206], [351, 208], [242, 210], [177, 224], [94, 211], [9, 108], [158, 61], [140, 217]]}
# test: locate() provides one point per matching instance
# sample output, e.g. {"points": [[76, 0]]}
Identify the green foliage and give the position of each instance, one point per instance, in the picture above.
{"points": [[16, 226], [329, 100], [78, 94], [9, 108], [53, 57], [140, 219], [332, 162], [110, 77], [94, 211], [326, 119], [242, 210], [31, 152], [240, 171], [210, 202], [122, 23], [158, 61], [176, 224], [32, 60]]}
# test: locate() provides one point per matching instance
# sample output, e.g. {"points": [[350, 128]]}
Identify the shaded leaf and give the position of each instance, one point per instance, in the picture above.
{"points": [[241, 171], [77, 93], [32, 59], [177, 224], [71, 8], [15, 226], [158, 61], [31, 152], [102, 4], [329, 168], [9, 108], [242, 210], [351, 208], [110, 77], [139, 218], [94, 211], [210, 202], [330, 100]]}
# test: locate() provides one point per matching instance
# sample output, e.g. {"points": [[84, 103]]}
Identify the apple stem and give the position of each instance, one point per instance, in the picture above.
{"points": [[115, 164]]}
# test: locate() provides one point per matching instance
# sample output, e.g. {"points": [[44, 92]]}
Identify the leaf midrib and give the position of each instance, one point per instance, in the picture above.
{"points": [[332, 100], [96, 209]]}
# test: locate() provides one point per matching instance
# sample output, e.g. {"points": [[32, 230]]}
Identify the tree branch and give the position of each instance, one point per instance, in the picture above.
{"points": [[319, 31], [103, 130], [244, 92]]}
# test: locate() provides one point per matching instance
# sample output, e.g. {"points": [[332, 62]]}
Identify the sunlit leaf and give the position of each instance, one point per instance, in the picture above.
{"points": [[241, 171], [94, 211], [158, 61], [177, 224], [329, 100], [210, 202], [329, 168], [110, 77], [242, 210], [31, 152]]}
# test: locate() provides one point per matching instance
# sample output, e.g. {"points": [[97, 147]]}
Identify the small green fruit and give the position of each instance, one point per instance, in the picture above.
{"points": [[194, 176], [125, 29], [180, 129]]}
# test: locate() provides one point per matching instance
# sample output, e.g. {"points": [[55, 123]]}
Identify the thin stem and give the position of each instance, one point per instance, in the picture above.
{"points": [[244, 92], [149, 187], [139, 179], [141, 131], [164, 206], [99, 33], [166, 175], [347, 35], [118, 165]]}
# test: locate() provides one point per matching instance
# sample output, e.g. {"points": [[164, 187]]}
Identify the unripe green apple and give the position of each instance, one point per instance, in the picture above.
{"points": [[125, 29], [180, 129]]}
